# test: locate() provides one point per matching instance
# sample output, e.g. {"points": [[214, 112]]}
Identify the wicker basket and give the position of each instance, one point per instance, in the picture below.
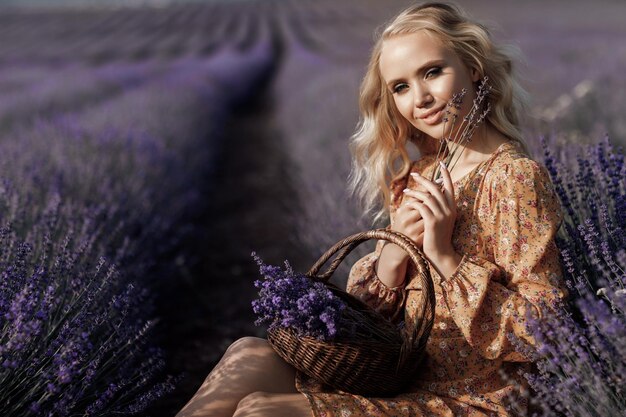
{"points": [[364, 367]]}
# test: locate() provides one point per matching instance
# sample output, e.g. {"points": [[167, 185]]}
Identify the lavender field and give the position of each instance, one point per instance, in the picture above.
{"points": [[145, 152]]}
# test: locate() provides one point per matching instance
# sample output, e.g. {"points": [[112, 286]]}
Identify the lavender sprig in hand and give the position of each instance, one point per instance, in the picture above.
{"points": [[478, 112]]}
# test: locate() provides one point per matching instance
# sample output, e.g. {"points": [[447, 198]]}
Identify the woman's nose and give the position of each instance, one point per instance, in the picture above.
{"points": [[422, 97]]}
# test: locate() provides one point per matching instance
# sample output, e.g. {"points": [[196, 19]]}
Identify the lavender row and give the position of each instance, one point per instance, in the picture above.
{"points": [[317, 139], [98, 36], [86, 32], [592, 189], [581, 350], [94, 209], [70, 318], [145, 168], [65, 88]]}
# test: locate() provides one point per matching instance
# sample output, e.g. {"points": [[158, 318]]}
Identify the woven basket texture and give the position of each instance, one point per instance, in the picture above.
{"points": [[363, 366]]}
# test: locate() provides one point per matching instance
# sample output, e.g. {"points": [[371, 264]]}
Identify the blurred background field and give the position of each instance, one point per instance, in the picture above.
{"points": [[212, 129]]}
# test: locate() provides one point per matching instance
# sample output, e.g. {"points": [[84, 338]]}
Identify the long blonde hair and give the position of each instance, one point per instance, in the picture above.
{"points": [[379, 145]]}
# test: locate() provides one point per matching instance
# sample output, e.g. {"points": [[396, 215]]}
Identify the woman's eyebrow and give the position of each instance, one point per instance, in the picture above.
{"points": [[427, 64]]}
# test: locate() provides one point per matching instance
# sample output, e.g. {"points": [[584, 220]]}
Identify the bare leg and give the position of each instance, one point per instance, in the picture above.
{"points": [[263, 404], [249, 365]]}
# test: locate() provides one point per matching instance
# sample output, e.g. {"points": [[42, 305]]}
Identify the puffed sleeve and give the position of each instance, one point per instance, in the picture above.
{"points": [[488, 300], [365, 284]]}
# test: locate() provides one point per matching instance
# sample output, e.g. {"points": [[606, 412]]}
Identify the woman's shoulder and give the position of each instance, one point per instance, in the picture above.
{"points": [[515, 167], [519, 179], [514, 158]]}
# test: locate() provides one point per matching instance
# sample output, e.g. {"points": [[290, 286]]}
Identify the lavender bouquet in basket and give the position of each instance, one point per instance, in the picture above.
{"points": [[333, 336], [288, 299]]}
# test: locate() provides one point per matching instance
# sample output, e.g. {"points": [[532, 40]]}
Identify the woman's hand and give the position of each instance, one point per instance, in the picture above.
{"points": [[408, 220], [432, 231], [392, 263]]}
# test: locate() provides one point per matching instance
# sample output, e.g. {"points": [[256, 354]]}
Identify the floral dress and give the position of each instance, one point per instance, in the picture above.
{"points": [[507, 217]]}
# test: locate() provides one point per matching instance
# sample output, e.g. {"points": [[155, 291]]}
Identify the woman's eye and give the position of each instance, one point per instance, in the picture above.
{"points": [[432, 72], [399, 87]]}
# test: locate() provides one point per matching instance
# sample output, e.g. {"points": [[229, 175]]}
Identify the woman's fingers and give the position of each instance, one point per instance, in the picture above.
{"points": [[408, 209], [432, 189], [424, 209], [430, 186], [412, 218], [426, 200], [420, 208], [437, 207], [419, 226], [408, 218], [448, 185], [443, 195], [418, 195]]}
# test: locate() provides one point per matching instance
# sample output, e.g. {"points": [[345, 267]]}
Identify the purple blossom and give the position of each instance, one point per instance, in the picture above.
{"points": [[291, 300], [580, 350]]}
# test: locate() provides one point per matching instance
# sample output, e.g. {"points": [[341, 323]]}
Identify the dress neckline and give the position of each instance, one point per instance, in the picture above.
{"points": [[481, 164], [458, 185]]}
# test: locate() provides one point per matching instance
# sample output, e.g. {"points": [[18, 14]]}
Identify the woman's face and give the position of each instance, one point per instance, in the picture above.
{"points": [[422, 75]]}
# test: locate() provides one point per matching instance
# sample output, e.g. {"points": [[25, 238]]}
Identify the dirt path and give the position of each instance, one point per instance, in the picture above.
{"points": [[252, 209]]}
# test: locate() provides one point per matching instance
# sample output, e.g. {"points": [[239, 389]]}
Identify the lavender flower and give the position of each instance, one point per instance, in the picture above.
{"points": [[291, 300], [477, 114], [66, 326], [580, 349]]}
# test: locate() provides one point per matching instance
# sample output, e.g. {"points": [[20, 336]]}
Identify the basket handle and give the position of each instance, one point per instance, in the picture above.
{"points": [[417, 337], [345, 246]]}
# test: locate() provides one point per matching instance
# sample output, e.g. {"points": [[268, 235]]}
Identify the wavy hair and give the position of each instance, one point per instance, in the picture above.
{"points": [[379, 144]]}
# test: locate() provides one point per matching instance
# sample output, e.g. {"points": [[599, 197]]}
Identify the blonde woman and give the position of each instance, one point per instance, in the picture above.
{"points": [[487, 229]]}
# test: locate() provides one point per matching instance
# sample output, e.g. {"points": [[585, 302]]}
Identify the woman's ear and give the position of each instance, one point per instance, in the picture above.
{"points": [[475, 74]]}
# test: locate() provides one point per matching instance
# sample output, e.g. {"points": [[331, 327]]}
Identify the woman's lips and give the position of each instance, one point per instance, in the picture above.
{"points": [[434, 118]]}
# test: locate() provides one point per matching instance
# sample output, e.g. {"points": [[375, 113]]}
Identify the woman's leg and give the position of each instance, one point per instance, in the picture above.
{"points": [[249, 365], [263, 404]]}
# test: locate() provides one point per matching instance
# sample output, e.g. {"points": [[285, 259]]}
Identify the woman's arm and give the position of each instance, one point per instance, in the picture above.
{"points": [[392, 265], [393, 261], [364, 283], [378, 278], [490, 298], [407, 219]]}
